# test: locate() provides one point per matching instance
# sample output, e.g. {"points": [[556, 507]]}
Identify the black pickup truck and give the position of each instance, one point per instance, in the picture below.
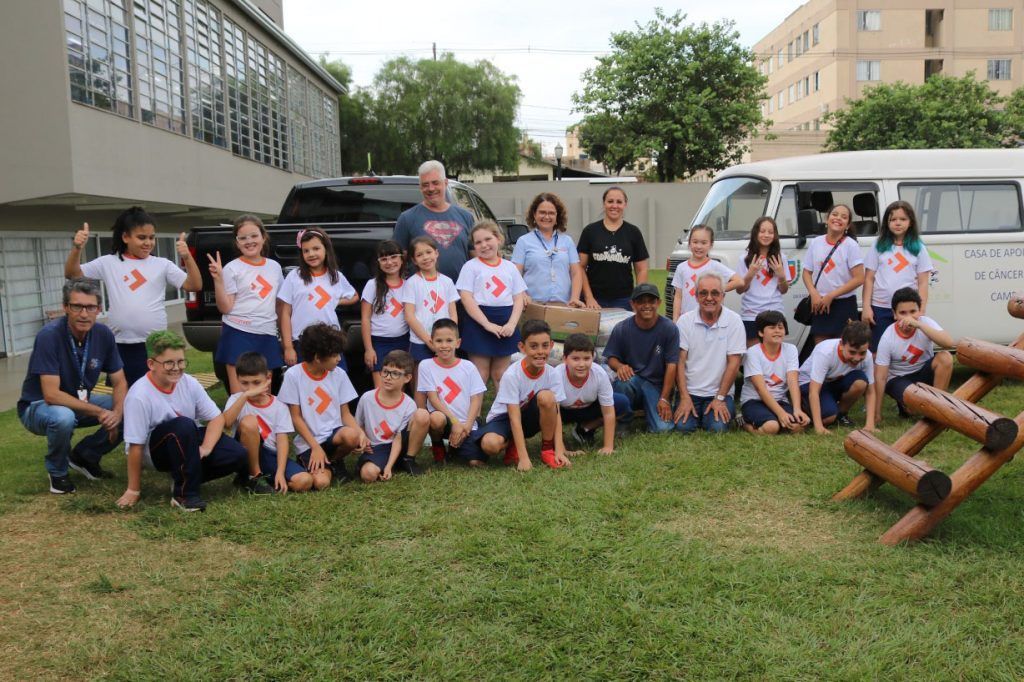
{"points": [[356, 212]]}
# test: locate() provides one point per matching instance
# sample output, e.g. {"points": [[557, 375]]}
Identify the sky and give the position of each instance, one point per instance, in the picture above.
{"points": [[546, 44]]}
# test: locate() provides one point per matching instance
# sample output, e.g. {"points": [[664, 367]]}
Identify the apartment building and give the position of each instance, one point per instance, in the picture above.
{"points": [[828, 51], [197, 109]]}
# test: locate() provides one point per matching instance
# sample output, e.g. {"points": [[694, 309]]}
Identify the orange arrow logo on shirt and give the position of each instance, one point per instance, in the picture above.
{"points": [[901, 262], [453, 390], [264, 428], [767, 277], [267, 287], [830, 265], [325, 400], [324, 299], [774, 379], [913, 354], [396, 307], [434, 302], [499, 286], [139, 279], [384, 431]]}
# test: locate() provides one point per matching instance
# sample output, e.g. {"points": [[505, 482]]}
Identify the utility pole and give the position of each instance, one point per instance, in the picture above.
{"points": [[435, 52]]}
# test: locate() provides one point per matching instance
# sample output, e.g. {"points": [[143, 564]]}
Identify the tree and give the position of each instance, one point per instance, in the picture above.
{"points": [[461, 114], [687, 96], [354, 117], [1014, 121], [942, 113], [604, 137]]}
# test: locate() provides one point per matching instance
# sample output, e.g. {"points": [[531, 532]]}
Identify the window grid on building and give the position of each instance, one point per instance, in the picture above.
{"points": [[999, 69], [298, 108], [869, 20], [815, 34], [1000, 20], [99, 59], [159, 63], [238, 91], [205, 69], [869, 70]]}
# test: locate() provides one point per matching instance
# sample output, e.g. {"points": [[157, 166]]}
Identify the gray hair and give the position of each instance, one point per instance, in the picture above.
{"points": [[710, 275], [430, 166], [83, 285]]}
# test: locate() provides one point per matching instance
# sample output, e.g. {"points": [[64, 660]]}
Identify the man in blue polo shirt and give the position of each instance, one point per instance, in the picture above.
{"points": [[643, 353], [56, 397]]}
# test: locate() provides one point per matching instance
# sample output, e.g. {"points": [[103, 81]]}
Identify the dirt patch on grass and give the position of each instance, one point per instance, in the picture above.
{"points": [[78, 590], [754, 519]]}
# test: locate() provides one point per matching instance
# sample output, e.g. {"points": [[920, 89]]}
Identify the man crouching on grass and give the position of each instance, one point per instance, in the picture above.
{"points": [[160, 427]]}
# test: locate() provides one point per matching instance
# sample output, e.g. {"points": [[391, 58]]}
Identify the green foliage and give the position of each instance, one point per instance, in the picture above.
{"points": [[1014, 118], [942, 113], [354, 114], [685, 95], [605, 138]]}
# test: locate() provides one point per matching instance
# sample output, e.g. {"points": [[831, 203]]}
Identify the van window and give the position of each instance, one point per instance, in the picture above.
{"points": [[785, 214], [964, 207], [732, 205], [807, 205], [462, 198]]}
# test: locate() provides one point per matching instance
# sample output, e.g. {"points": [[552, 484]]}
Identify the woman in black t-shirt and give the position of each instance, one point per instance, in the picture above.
{"points": [[611, 250]]}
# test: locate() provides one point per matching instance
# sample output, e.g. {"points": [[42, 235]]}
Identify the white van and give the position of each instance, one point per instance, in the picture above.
{"points": [[969, 212]]}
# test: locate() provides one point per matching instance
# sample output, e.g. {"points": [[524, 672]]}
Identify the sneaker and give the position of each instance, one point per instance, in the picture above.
{"points": [[61, 485], [257, 485], [511, 454], [91, 470], [240, 481], [408, 465], [548, 457], [582, 436], [188, 504], [340, 473], [439, 453], [844, 421]]}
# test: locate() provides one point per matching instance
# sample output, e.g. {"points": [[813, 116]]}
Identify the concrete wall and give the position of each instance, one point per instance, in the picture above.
{"points": [[661, 211]]}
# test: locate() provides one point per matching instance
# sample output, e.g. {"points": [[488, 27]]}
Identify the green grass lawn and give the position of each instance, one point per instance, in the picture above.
{"points": [[696, 557]]}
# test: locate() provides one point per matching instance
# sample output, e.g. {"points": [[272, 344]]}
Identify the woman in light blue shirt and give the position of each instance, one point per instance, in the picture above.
{"points": [[547, 255]]}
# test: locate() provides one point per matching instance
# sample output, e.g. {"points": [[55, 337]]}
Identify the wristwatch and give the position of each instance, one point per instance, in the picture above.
{"points": [[720, 397]]}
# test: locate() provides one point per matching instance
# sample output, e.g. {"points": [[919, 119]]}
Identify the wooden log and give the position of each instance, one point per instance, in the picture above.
{"points": [[923, 432], [927, 485], [1015, 306], [991, 358], [992, 430], [921, 520]]}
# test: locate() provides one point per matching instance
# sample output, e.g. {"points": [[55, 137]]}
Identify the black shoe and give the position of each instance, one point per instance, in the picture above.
{"points": [[188, 504], [582, 436], [61, 485], [91, 470], [340, 473], [844, 421], [408, 465], [257, 485]]}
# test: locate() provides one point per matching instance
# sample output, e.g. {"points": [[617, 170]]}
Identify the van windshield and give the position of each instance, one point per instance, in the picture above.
{"points": [[732, 205]]}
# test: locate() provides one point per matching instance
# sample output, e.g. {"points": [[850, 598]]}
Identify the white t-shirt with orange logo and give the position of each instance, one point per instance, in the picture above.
{"points": [[456, 385], [516, 386], [772, 369], [836, 272], [763, 293], [319, 399], [685, 279], [314, 302], [493, 286], [383, 422], [895, 269], [254, 287], [905, 355], [391, 322], [597, 386], [136, 289], [272, 418], [147, 406], [431, 298]]}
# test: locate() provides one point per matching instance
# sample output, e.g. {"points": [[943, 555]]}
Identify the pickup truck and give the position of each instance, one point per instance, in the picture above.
{"points": [[356, 212]]}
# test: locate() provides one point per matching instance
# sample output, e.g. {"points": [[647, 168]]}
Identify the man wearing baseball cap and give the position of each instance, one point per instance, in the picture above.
{"points": [[643, 353]]}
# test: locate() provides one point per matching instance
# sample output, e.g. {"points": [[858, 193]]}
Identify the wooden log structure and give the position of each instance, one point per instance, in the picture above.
{"points": [[925, 431], [927, 485], [921, 520], [993, 431], [1015, 306], [991, 357]]}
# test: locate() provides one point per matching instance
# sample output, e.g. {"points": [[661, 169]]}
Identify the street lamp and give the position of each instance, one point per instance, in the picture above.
{"points": [[558, 158]]}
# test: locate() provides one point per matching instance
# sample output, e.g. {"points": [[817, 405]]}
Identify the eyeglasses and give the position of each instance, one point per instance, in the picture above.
{"points": [[704, 293], [171, 365], [248, 237], [385, 259], [392, 373], [87, 308]]}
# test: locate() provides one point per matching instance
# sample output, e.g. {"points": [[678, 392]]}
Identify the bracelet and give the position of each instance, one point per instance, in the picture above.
{"points": [[663, 400]]}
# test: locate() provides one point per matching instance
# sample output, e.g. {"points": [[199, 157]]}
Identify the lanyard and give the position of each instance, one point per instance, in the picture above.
{"points": [[80, 362], [554, 244]]}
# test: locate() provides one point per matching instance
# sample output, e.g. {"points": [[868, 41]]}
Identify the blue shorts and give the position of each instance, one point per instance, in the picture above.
{"points": [[883, 318], [582, 415], [326, 445], [420, 352], [623, 303], [832, 323], [233, 342], [503, 427], [756, 413], [380, 454], [750, 327], [478, 341], [382, 345], [896, 386], [832, 392], [268, 465], [133, 357]]}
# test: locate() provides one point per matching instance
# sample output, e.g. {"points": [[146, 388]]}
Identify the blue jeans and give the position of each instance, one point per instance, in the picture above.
{"points": [[623, 303], [582, 415], [58, 423], [642, 393], [174, 448], [708, 422]]}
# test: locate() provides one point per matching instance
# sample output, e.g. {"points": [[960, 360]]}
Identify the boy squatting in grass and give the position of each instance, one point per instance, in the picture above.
{"points": [[906, 354], [836, 375], [390, 419], [526, 402], [771, 372], [589, 401], [160, 427], [454, 394], [263, 424]]}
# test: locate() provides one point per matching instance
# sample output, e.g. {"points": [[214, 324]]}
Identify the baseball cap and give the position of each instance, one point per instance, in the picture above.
{"points": [[645, 289]]}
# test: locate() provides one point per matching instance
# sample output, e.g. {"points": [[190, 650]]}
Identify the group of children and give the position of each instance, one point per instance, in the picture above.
{"points": [[411, 333]]}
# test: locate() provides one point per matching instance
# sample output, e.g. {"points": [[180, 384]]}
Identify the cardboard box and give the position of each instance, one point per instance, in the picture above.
{"points": [[565, 320]]}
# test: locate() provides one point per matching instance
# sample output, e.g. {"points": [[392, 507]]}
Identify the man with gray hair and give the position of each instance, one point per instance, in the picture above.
{"points": [[712, 342], [447, 224], [57, 395]]}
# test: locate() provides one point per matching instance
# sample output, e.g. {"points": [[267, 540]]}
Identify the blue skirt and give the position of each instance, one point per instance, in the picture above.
{"points": [[478, 341], [233, 342], [382, 345], [839, 313], [133, 357], [420, 352]]}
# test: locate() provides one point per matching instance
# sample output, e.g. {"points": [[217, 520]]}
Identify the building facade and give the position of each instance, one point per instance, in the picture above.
{"points": [[196, 109], [828, 51]]}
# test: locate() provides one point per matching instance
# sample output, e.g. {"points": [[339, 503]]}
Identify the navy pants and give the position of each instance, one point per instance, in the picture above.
{"points": [[174, 448]]}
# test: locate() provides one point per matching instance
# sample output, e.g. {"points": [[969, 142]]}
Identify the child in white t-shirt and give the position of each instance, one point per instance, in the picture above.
{"points": [[392, 422], [428, 296], [317, 393], [589, 401], [384, 328], [263, 424], [684, 280], [770, 400], [765, 274], [905, 352], [454, 394], [833, 271], [837, 373]]}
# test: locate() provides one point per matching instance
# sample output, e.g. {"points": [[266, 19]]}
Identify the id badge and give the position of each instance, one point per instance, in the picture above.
{"points": [[83, 395]]}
